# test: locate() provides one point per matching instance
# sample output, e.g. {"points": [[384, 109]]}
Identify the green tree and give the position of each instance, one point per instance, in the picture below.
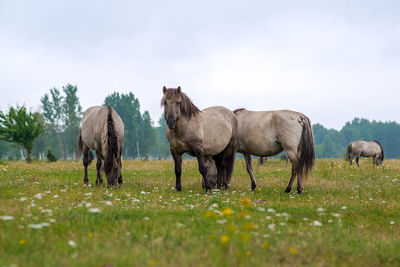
{"points": [[128, 108], [147, 135], [162, 149], [21, 127]]}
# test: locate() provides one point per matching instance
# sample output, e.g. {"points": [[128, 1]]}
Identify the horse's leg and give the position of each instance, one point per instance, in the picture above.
{"points": [[357, 159], [202, 168], [120, 181], [295, 162], [99, 163], [220, 171], [178, 169], [247, 158], [85, 164]]}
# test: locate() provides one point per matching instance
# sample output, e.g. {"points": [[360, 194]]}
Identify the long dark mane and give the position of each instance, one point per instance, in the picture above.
{"points": [[238, 110], [382, 156], [112, 143], [188, 109]]}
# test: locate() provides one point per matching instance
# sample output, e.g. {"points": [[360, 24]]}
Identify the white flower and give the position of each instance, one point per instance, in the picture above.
{"points": [[55, 196], [94, 210], [108, 203], [146, 218], [35, 226], [335, 215], [391, 222], [271, 227], [38, 196], [88, 205], [317, 223], [88, 194], [221, 221], [7, 218], [320, 209], [48, 192], [72, 243], [344, 207], [271, 210], [23, 199], [261, 209]]}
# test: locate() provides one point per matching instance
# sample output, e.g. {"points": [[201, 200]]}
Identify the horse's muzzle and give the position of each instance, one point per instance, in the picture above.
{"points": [[171, 124]]}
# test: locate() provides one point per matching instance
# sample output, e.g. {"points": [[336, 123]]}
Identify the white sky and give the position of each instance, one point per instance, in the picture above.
{"points": [[331, 60]]}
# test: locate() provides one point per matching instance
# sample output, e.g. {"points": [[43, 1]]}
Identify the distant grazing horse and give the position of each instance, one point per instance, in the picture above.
{"points": [[102, 130], [267, 133], [365, 149], [209, 135]]}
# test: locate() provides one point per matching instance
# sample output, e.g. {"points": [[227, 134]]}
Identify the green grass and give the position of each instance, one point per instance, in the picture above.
{"points": [[347, 216]]}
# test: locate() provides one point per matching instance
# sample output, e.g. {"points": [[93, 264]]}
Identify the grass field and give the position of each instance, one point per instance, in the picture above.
{"points": [[347, 216]]}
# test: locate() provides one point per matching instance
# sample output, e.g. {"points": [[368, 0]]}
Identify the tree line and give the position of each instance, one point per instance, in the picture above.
{"points": [[52, 132]]}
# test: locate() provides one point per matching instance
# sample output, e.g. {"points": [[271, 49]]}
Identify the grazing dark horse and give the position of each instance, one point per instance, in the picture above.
{"points": [[365, 149], [267, 133], [209, 135], [102, 130]]}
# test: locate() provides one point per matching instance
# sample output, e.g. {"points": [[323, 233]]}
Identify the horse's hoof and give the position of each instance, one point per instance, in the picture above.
{"points": [[288, 190], [253, 187], [178, 188]]}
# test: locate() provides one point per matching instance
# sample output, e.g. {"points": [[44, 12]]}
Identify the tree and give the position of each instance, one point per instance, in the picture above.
{"points": [[128, 108], [147, 135], [21, 127], [62, 114]]}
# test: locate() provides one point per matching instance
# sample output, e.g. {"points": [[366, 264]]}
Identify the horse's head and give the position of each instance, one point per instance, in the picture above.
{"points": [[113, 173], [172, 101], [378, 159], [211, 171]]}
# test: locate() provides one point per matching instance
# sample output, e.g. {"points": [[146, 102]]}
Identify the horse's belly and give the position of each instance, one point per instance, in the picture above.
{"points": [[262, 148]]}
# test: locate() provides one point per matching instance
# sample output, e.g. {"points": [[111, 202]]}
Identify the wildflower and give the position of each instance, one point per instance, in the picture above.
{"points": [[320, 209], [271, 210], [224, 239], [317, 223], [22, 242], [23, 199], [391, 222], [248, 253], [246, 202], [250, 226], [7, 218], [210, 214], [271, 227], [35, 226], [72, 243], [94, 210], [293, 250], [38, 196], [221, 221], [89, 234], [344, 207], [227, 211], [265, 245]]}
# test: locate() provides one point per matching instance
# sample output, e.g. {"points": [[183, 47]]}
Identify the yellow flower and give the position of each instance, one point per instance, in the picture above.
{"points": [[293, 250], [224, 239], [265, 245], [227, 211], [246, 202], [248, 253], [89, 234], [210, 214], [249, 226], [22, 242]]}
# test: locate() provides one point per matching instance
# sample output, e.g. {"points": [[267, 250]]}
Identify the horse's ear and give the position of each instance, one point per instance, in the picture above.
{"points": [[164, 89], [179, 90]]}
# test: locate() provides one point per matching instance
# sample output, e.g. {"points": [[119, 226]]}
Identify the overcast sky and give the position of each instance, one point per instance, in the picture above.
{"points": [[331, 60]]}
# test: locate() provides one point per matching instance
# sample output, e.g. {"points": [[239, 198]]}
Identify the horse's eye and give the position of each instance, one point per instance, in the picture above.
{"points": [[165, 102], [178, 103]]}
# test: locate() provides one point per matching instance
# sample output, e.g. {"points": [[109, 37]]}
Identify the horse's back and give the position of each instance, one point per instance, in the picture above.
{"points": [[219, 126], [94, 126], [264, 133], [365, 148]]}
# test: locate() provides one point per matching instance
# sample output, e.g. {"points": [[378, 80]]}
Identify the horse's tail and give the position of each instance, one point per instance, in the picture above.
{"points": [[382, 156], [306, 148], [112, 142], [79, 147]]}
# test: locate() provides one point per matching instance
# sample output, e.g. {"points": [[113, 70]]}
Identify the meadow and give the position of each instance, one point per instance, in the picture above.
{"points": [[347, 216]]}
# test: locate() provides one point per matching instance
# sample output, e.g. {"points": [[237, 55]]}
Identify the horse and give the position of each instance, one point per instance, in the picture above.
{"points": [[365, 149], [209, 135], [267, 133], [103, 131]]}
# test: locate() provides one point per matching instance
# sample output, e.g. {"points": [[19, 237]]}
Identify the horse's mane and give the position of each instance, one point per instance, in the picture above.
{"points": [[112, 143], [238, 110], [188, 109], [382, 154]]}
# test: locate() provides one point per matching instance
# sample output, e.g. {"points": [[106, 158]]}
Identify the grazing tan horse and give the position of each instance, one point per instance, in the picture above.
{"points": [[102, 130], [365, 149], [209, 135], [267, 133]]}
